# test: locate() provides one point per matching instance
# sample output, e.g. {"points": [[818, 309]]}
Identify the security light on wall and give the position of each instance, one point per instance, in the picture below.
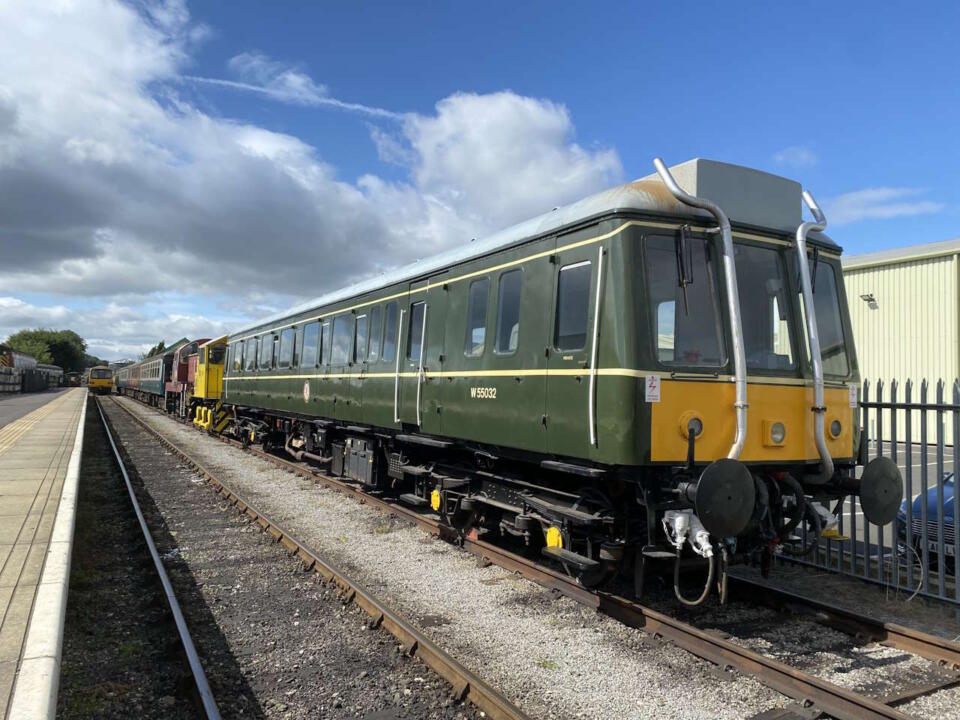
{"points": [[871, 301]]}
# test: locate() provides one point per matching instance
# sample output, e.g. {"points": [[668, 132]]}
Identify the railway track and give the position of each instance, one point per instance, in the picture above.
{"points": [[466, 685], [811, 692], [206, 700]]}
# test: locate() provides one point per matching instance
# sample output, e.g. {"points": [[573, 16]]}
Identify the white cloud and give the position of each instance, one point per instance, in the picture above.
{"points": [[878, 203], [279, 81], [116, 188], [796, 156], [113, 330]]}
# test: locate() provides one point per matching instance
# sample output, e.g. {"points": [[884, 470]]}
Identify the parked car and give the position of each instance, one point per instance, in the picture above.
{"points": [[933, 513]]}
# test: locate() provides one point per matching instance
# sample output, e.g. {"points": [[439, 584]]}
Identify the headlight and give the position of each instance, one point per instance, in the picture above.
{"points": [[836, 428], [777, 433]]}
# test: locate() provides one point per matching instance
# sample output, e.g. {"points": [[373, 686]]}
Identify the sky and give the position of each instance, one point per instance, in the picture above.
{"points": [[175, 169]]}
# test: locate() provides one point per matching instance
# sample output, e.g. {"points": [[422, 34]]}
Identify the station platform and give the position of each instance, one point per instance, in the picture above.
{"points": [[39, 471]]}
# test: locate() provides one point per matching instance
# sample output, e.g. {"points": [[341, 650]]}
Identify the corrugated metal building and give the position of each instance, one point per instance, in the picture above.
{"points": [[905, 311]]}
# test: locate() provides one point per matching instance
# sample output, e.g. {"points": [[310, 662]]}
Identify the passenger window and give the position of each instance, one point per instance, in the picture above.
{"points": [[508, 312], [297, 347], [251, 354], [286, 348], [266, 352], [390, 331], [573, 306], [308, 358], [360, 351], [238, 356], [477, 317], [416, 331], [342, 339], [374, 353], [324, 355]]}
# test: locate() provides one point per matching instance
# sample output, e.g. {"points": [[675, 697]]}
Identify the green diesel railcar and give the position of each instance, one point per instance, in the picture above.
{"points": [[577, 379]]}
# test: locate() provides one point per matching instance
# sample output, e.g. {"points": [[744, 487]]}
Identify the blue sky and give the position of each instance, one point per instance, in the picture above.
{"points": [[873, 101], [222, 157]]}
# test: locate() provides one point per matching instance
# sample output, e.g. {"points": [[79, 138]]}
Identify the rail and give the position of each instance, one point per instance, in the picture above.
{"points": [[833, 699], [196, 668], [466, 684]]}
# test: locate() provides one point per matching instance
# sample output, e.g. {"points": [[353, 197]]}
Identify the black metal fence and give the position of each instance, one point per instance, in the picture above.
{"points": [[919, 552]]}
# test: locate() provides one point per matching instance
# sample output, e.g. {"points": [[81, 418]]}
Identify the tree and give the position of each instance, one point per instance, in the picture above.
{"points": [[31, 346], [58, 347]]}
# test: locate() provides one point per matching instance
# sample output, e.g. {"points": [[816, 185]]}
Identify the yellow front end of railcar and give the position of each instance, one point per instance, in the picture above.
{"points": [[779, 423], [100, 380]]}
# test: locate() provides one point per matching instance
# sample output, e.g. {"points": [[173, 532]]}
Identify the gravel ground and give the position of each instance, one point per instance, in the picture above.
{"points": [[275, 643], [553, 657], [120, 658]]}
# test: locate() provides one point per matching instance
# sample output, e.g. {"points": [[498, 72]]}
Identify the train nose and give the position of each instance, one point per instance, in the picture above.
{"points": [[881, 490], [725, 497]]}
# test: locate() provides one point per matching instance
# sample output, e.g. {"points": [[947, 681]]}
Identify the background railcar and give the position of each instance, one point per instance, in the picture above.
{"points": [[100, 380], [147, 380], [604, 382]]}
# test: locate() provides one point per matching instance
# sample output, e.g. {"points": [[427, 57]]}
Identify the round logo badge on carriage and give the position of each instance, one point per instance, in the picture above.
{"points": [[306, 391]]}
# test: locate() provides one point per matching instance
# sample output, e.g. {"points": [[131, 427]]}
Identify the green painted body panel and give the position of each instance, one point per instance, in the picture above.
{"points": [[533, 399]]}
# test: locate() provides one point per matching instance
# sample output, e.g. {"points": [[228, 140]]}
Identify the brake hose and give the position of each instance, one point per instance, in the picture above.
{"points": [[711, 562], [722, 582], [817, 528]]}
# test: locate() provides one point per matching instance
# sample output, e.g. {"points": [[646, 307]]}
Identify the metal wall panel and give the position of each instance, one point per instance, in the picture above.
{"points": [[912, 333]]}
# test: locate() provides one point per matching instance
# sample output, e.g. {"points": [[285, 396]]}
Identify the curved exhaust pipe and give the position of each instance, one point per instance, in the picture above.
{"points": [[816, 360], [733, 302]]}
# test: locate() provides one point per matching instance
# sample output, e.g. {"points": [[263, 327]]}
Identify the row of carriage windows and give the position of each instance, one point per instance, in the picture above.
{"points": [[371, 335]]}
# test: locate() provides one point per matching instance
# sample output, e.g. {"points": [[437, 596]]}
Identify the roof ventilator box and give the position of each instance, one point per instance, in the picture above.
{"points": [[747, 196]]}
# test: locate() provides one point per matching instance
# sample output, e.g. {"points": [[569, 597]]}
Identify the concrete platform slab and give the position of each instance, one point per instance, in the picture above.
{"points": [[39, 469]]}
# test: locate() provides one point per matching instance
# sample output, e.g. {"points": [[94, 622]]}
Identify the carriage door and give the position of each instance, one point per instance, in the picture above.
{"points": [[422, 354], [570, 412]]}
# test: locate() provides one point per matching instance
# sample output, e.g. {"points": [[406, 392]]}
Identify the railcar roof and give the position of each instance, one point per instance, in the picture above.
{"points": [[647, 196]]}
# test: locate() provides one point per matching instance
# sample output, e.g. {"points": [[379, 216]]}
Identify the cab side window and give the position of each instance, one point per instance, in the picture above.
{"points": [[416, 331], [508, 312], [476, 317], [573, 307]]}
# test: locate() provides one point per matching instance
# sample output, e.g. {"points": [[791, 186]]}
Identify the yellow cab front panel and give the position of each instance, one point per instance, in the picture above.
{"points": [[712, 402]]}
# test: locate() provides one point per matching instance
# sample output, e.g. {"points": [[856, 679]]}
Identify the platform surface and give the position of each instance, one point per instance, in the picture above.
{"points": [[15, 406], [35, 449]]}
